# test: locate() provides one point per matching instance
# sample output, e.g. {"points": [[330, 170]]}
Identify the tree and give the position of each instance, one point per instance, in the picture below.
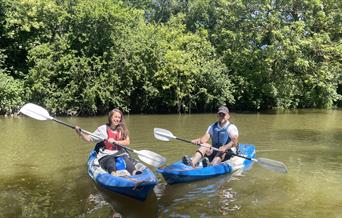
{"points": [[188, 66]]}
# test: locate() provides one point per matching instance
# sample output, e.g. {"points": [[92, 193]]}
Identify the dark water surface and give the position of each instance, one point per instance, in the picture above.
{"points": [[43, 168]]}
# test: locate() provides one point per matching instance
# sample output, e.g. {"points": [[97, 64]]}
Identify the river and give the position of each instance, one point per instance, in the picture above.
{"points": [[44, 171]]}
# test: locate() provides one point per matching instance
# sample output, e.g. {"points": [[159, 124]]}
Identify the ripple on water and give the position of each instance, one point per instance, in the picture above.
{"points": [[228, 201], [97, 202], [20, 200], [99, 206]]}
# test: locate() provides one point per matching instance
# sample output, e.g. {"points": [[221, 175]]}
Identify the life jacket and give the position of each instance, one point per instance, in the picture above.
{"points": [[220, 135], [116, 135]]}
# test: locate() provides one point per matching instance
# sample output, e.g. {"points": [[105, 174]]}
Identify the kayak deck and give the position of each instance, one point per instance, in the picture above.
{"points": [[178, 172], [135, 186]]}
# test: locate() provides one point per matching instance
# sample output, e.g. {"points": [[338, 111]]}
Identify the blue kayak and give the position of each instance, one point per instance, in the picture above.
{"points": [[178, 172], [135, 186]]}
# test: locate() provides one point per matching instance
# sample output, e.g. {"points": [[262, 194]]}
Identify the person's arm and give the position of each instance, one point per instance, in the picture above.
{"points": [[123, 142], [233, 143], [204, 139], [86, 137], [234, 138], [89, 138]]}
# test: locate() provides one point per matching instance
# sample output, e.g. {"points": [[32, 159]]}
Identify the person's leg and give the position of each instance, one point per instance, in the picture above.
{"points": [[130, 164], [218, 158], [221, 157], [193, 161], [201, 153], [108, 163], [197, 156]]}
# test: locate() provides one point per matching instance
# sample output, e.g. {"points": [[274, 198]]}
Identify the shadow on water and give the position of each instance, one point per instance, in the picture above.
{"points": [[122, 205], [195, 199], [28, 195]]}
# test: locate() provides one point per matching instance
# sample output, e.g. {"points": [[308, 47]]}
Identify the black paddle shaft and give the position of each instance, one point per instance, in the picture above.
{"points": [[183, 140], [238, 155], [65, 124]]}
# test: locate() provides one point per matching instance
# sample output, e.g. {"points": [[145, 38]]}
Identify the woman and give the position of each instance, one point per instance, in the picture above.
{"points": [[114, 133]]}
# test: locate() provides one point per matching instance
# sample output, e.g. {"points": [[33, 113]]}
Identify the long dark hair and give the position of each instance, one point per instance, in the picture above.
{"points": [[121, 127]]}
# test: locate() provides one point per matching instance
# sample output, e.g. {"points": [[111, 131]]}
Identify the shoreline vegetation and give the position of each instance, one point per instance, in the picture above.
{"points": [[270, 111], [82, 58]]}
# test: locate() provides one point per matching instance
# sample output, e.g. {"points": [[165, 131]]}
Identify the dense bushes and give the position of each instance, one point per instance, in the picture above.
{"points": [[85, 57], [12, 93]]}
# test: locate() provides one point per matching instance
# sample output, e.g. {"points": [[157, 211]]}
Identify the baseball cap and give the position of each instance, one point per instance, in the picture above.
{"points": [[223, 109]]}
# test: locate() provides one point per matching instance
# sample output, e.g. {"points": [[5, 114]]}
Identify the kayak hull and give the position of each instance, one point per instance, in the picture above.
{"points": [[181, 173], [135, 186]]}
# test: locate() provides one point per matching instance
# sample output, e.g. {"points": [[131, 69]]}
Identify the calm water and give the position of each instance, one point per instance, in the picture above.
{"points": [[44, 172]]}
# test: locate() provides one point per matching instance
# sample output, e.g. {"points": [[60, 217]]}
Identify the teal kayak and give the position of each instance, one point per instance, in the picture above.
{"points": [[136, 186], [178, 172]]}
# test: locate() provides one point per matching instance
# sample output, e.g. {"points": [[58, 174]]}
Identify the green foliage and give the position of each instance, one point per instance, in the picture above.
{"points": [[190, 72], [272, 48], [87, 56], [11, 90], [28, 23]]}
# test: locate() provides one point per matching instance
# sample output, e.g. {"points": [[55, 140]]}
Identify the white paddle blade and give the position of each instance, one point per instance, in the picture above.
{"points": [[151, 158], [35, 111], [163, 134], [275, 166]]}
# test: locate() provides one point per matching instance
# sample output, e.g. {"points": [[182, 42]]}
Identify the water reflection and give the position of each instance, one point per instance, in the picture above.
{"points": [[227, 201], [120, 205], [195, 199], [28, 195], [43, 169], [95, 203]]}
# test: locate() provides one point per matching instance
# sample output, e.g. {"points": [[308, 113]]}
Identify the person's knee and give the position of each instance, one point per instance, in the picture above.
{"points": [[216, 160], [219, 157], [205, 151], [200, 153]]}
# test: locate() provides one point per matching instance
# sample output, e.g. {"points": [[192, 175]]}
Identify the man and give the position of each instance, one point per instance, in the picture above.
{"points": [[224, 136]]}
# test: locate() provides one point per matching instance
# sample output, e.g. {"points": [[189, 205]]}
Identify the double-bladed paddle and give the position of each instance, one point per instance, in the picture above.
{"points": [[276, 166], [37, 112]]}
